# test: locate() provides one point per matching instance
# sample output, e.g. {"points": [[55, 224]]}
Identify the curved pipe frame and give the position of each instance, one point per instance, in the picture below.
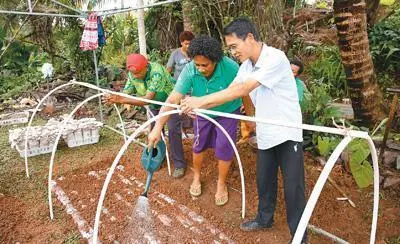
{"points": [[58, 138], [125, 146], [322, 179], [312, 201], [53, 153], [31, 119], [122, 122]]}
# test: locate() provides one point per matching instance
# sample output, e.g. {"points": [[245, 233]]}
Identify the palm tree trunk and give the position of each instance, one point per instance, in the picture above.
{"points": [[351, 23]]}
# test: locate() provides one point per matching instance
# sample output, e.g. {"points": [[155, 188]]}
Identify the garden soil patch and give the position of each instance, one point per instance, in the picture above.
{"points": [[176, 217]]}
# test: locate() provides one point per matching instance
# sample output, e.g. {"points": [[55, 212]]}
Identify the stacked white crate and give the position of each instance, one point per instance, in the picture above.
{"points": [[84, 134], [41, 139], [14, 118], [80, 132]]}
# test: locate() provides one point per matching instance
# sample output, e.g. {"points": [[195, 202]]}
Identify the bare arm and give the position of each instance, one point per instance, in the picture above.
{"points": [[248, 106], [174, 98], [155, 135], [232, 92], [111, 99]]}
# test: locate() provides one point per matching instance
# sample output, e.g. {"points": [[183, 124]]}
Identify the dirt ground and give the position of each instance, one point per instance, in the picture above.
{"points": [[175, 216]]}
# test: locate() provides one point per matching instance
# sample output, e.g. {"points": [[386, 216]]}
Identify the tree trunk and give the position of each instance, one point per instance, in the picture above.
{"points": [[141, 29], [187, 24], [351, 23]]}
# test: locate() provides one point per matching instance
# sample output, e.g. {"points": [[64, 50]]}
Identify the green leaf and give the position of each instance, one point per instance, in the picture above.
{"points": [[391, 51], [324, 146], [362, 173], [360, 168]]}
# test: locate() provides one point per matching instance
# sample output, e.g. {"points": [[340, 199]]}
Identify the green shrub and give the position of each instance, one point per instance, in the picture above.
{"points": [[329, 70], [384, 40]]}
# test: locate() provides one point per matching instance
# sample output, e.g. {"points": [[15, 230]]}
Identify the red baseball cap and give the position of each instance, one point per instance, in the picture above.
{"points": [[136, 61]]}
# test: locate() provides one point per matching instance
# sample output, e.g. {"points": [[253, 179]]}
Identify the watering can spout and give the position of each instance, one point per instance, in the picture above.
{"points": [[151, 162], [148, 181]]}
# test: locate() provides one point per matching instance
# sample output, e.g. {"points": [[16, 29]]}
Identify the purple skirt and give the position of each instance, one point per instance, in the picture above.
{"points": [[208, 135]]}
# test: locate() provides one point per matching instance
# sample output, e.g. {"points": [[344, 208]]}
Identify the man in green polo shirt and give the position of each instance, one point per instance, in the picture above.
{"points": [[152, 81], [208, 72], [146, 80]]}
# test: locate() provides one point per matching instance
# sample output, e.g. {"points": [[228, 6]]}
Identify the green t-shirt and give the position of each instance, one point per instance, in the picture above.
{"points": [[302, 91], [300, 88], [224, 73], [157, 80]]}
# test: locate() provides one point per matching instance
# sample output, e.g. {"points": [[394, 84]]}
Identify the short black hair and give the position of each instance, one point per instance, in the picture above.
{"points": [[242, 26], [299, 64], [186, 36], [206, 46]]}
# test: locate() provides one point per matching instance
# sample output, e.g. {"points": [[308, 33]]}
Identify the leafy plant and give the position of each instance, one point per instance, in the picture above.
{"points": [[326, 145], [122, 39], [321, 4], [328, 68], [384, 40], [360, 167], [316, 108], [19, 79], [159, 57]]}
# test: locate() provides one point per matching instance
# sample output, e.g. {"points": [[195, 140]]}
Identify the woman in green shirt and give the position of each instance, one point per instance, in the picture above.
{"points": [[208, 72]]}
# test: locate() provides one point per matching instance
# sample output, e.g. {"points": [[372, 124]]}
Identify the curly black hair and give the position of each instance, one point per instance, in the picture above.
{"points": [[206, 46]]}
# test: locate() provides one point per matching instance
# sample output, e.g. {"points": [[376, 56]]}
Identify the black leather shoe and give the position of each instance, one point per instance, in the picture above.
{"points": [[254, 225]]}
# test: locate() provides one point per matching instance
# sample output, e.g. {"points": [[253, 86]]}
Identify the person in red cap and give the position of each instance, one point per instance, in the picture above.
{"points": [[152, 81]]}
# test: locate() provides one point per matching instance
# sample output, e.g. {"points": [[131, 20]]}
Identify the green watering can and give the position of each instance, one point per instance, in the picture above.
{"points": [[151, 161]]}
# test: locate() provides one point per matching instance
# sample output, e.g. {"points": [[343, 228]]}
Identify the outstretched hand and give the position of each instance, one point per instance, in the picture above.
{"points": [[110, 99], [190, 103]]}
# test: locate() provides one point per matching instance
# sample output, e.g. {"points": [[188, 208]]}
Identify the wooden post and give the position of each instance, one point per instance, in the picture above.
{"points": [[393, 108]]}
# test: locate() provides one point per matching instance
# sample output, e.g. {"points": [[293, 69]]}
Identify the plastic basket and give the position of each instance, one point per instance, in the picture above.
{"points": [[34, 148], [82, 137], [14, 118]]}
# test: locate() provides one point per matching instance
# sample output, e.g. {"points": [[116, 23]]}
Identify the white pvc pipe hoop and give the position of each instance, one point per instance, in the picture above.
{"points": [[125, 146], [30, 123], [305, 218], [53, 153], [59, 136], [36, 109], [163, 138], [153, 119], [122, 122]]}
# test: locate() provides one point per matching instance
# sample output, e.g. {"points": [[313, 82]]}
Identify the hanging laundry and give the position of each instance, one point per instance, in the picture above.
{"points": [[90, 36], [100, 30]]}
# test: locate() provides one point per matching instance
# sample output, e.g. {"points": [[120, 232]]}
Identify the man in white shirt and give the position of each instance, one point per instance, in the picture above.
{"points": [[265, 74]]}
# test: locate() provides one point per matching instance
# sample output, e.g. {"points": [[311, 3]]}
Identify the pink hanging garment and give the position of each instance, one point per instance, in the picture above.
{"points": [[90, 37]]}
